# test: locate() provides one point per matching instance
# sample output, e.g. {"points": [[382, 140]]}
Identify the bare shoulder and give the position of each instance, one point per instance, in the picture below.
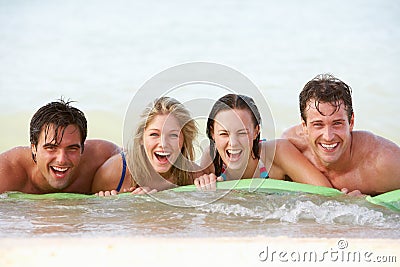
{"points": [[381, 157], [95, 156], [277, 148], [108, 175], [112, 164], [378, 149], [375, 142], [103, 145], [274, 150], [100, 150], [16, 157], [296, 136], [15, 164], [276, 145]]}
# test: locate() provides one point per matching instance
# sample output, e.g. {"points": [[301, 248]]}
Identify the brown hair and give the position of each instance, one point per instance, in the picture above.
{"points": [[60, 115], [227, 102], [325, 88]]}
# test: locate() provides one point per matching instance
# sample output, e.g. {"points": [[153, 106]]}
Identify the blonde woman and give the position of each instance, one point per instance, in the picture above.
{"points": [[161, 154]]}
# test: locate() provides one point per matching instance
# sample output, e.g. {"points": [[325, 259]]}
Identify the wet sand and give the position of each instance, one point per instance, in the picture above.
{"points": [[257, 251]]}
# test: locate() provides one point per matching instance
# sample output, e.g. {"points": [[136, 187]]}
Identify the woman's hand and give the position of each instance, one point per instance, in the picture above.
{"points": [[143, 190], [106, 193], [114, 192], [354, 193], [207, 182]]}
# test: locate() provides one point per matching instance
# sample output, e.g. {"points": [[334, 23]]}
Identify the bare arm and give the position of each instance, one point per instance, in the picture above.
{"points": [[101, 149], [388, 166], [375, 167], [296, 136], [13, 172], [109, 174], [291, 162]]}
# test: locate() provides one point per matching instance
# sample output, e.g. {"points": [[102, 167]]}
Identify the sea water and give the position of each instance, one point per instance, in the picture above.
{"points": [[199, 214], [101, 52]]}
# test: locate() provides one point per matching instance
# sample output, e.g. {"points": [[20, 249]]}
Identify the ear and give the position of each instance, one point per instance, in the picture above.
{"points": [[256, 132], [304, 127], [212, 134], [141, 140], [33, 149], [351, 122], [33, 152]]}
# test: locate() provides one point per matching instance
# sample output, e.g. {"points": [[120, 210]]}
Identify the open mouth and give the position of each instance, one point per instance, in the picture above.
{"points": [[59, 171], [233, 154], [162, 157], [329, 147]]}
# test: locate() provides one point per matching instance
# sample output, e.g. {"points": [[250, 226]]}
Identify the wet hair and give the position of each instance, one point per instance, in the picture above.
{"points": [[138, 162], [325, 88], [58, 114], [228, 102]]}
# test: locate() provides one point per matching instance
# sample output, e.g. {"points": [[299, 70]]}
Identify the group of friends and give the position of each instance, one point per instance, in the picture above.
{"points": [[323, 150]]}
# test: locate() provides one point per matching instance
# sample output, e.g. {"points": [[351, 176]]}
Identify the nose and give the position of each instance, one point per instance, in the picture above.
{"points": [[328, 134], [164, 141], [61, 156], [233, 140]]}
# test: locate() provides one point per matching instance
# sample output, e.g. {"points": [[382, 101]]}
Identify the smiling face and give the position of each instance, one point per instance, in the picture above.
{"points": [[233, 133], [163, 141], [57, 161], [329, 133]]}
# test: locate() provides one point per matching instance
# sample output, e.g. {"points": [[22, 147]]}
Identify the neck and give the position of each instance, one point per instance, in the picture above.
{"points": [[168, 176], [246, 173], [39, 184]]}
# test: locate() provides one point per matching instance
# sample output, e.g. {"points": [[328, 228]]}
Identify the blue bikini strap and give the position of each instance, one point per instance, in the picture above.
{"points": [[121, 180]]}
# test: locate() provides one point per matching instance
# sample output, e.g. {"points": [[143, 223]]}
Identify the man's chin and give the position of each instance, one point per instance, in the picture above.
{"points": [[59, 184], [329, 160]]}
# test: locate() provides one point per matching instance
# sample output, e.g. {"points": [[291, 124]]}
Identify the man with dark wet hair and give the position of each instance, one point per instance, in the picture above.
{"points": [[59, 158], [351, 160]]}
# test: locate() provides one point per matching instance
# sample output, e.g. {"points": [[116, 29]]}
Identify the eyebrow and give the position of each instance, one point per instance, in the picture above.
{"points": [[56, 145], [240, 130], [339, 120], [49, 145], [316, 121], [158, 130]]}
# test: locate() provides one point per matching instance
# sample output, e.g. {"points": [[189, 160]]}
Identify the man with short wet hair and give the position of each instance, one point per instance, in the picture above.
{"points": [[351, 160], [59, 158]]}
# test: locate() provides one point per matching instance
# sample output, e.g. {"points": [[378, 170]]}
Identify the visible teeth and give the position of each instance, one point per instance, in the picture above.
{"points": [[59, 169], [162, 154], [234, 151], [332, 146]]}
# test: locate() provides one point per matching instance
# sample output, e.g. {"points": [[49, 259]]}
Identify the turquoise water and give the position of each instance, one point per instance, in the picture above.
{"points": [[236, 214]]}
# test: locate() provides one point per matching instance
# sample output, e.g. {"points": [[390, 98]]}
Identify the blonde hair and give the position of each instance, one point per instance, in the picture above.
{"points": [[137, 160]]}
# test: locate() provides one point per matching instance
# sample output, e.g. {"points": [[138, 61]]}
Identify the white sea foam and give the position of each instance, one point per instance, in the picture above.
{"points": [[235, 214]]}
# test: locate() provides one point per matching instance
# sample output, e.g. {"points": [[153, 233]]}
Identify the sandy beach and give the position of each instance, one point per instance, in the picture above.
{"points": [[259, 251]]}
